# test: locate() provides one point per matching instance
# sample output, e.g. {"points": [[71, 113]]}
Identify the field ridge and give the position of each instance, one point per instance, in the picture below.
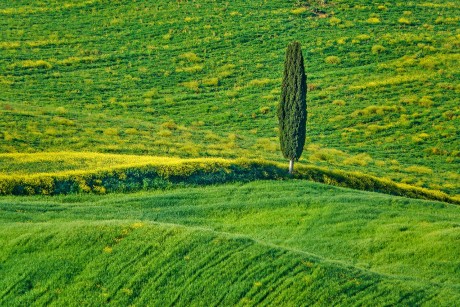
{"points": [[102, 173]]}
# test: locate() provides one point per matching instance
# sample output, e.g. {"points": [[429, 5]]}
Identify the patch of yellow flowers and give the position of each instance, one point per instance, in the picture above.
{"points": [[86, 172]]}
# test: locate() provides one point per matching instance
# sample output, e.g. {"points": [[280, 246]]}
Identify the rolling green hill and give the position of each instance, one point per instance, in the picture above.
{"points": [[202, 78], [232, 244], [115, 96]]}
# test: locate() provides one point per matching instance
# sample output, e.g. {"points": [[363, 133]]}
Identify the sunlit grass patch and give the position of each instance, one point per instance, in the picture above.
{"points": [[407, 78], [429, 62], [331, 155], [77, 60], [10, 45], [61, 110], [267, 144], [225, 71], [190, 149], [377, 49], [447, 20], [410, 99], [264, 110], [299, 10], [379, 110], [42, 42], [211, 81], [334, 21], [373, 20], [404, 61], [232, 93], [359, 159], [152, 93], [420, 137], [111, 131], [63, 121], [210, 136], [261, 82], [270, 97], [451, 114], [23, 10], [33, 64], [164, 133], [131, 131], [190, 69], [168, 36], [361, 38], [338, 118], [339, 102], [373, 129], [169, 125], [404, 21], [419, 169], [332, 59], [6, 81], [191, 85], [425, 101]]}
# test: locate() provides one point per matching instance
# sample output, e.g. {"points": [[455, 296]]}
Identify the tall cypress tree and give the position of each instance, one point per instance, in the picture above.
{"points": [[292, 110]]}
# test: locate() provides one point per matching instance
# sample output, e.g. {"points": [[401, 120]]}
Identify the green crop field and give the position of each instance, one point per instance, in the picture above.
{"points": [[202, 78], [178, 99], [243, 244]]}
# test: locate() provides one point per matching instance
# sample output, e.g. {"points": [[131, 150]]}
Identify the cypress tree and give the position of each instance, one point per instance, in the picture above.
{"points": [[292, 110]]}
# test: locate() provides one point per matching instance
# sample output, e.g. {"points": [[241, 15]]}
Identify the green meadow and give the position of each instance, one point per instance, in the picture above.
{"points": [[202, 78], [140, 161], [286, 243]]}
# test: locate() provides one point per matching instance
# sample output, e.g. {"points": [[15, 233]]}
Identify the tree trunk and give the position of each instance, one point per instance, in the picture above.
{"points": [[291, 166]]}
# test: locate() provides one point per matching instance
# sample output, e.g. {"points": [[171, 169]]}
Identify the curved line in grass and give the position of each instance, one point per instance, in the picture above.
{"points": [[311, 256], [317, 259]]}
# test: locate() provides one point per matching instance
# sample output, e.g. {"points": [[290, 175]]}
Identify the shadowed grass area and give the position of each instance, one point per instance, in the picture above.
{"points": [[231, 244]]}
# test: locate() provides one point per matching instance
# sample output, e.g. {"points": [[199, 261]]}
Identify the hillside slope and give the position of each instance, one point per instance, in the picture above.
{"points": [[202, 78], [231, 244]]}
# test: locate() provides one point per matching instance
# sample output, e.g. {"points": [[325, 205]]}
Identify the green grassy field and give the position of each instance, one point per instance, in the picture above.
{"points": [[242, 244], [102, 96], [194, 79]]}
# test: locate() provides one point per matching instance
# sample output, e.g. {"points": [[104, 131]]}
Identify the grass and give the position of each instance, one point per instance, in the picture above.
{"points": [[177, 94], [243, 244], [68, 172], [160, 61]]}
